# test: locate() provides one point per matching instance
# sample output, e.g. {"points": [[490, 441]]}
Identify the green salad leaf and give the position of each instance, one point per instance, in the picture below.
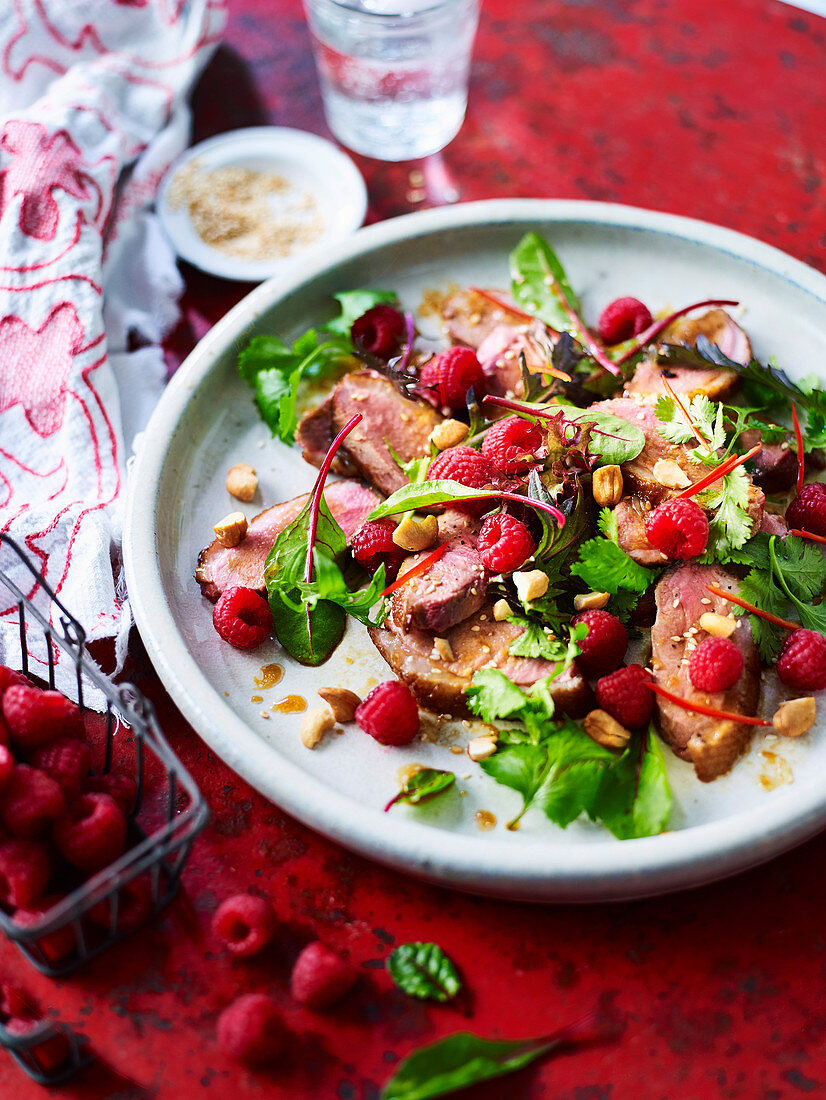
{"points": [[611, 440], [423, 970], [422, 786], [354, 303], [531, 262]]}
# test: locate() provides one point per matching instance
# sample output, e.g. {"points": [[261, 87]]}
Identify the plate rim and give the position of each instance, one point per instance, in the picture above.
{"points": [[615, 870]]}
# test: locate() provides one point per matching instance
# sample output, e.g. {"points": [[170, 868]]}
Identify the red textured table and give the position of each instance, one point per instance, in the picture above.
{"points": [[714, 110]]}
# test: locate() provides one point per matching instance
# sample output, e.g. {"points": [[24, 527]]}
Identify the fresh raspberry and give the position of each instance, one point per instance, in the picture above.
{"points": [[245, 923], [624, 696], [512, 443], [372, 545], [67, 761], [136, 904], [715, 665], [242, 617], [251, 1030], [389, 714], [802, 661], [604, 646], [6, 765], [53, 1050], [379, 331], [9, 676], [30, 802], [14, 1002], [122, 788], [57, 945], [468, 467], [92, 832], [450, 375], [622, 319], [807, 511], [320, 977], [678, 527], [504, 543], [25, 869], [36, 718]]}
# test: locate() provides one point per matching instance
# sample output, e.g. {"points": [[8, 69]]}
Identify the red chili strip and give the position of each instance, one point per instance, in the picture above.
{"points": [[422, 567], [657, 327], [758, 611], [510, 309], [318, 490], [801, 458], [721, 471], [712, 712], [807, 535]]}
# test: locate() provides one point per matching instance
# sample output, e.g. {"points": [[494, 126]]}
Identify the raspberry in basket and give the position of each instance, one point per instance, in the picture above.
{"points": [[92, 832], [251, 1030], [30, 802], [389, 714], [624, 695], [35, 717], [57, 945], [25, 869], [715, 665], [135, 906], [603, 648], [807, 512], [678, 527], [450, 375], [67, 761], [372, 545], [242, 617], [511, 444], [504, 543], [320, 977], [121, 787], [802, 661], [9, 676], [379, 331], [245, 923], [622, 319]]}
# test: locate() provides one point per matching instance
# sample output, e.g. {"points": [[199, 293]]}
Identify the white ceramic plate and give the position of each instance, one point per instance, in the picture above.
{"points": [[206, 422], [312, 165]]}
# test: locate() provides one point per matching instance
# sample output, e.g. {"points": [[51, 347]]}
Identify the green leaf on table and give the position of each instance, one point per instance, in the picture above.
{"points": [[422, 786], [532, 263], [423, 970], [354, 303]]}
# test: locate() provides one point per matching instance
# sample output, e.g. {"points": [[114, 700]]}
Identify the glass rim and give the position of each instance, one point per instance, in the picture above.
{"points": [[357, 9]]}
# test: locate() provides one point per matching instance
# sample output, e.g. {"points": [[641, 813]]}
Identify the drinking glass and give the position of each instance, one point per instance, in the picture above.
{"points": [[394, 73]]}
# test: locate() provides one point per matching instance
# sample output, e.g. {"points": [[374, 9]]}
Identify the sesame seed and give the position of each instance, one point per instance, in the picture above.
{"points": [[265, 714], [676, 637], [482, 618], [676, 602], [705, 600]]}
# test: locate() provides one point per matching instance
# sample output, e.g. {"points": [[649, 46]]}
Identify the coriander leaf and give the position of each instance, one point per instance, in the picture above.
{"points": [[803, 565], [354, 303], [491, 695], [422, 786], [531, 262], [813, 617], [604, 567], [758, 588], [674, 425], [536, 641], [266, 353], [423, 970], [634, 797], [269, 387], [730, 525]]}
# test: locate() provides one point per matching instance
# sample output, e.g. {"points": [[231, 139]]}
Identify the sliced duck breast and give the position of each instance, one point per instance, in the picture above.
{"points": [[712, 745], [469, 317]]}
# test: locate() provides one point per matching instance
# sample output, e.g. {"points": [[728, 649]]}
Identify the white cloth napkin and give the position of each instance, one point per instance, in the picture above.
{"points": [[92, 113]]}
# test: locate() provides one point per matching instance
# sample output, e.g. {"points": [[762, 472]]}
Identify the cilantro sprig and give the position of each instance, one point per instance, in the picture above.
{"points": [[605, 567]]}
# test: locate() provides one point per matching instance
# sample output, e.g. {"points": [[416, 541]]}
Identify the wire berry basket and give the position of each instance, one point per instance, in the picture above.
{"points": [[165, 815]]}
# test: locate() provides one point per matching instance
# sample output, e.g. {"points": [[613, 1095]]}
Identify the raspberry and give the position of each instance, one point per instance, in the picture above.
{"points": [[373, 545], [136, 904], [25, 870], [30, 802], [92, 832], [389, 714], [57, 945], [379, 331], [6, 765], [67, 761], [9, 676], [504, 543], [242, 617], [622, 319], [245, 923], [320, 977], [802, 661], [14, 1002], [512, 443], [251, 1030], [807, 511], [715, 665], [450, 375], [53, 1050], [35, 717], [678, 527], [122, 788], [604, 646], [468, 467], [624, 696]]}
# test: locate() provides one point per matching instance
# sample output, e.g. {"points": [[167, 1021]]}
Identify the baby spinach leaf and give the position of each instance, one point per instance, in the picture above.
{"points": [[424, 971], [531, 262], [423, 785], [610, 439], [310, 635], [354, 303]]}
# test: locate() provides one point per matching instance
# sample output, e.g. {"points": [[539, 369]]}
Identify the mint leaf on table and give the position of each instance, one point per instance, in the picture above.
{"points": [[423, 970], [422, 786], [531, 262], [354, 303], [634, 798]]}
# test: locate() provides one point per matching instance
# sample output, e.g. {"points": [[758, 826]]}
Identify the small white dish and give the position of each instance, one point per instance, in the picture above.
{"points": [[312, 165]]}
